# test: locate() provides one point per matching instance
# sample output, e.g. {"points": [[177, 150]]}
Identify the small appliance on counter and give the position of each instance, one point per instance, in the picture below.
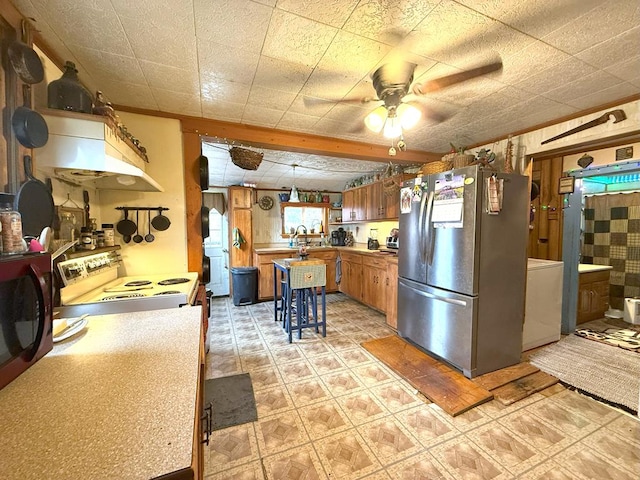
{"points": [[372, 242], [392, 239], [338, 237]]}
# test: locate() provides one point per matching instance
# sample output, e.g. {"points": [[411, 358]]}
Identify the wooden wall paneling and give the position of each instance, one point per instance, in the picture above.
{"points": [[193, 201], [555, 212], [240, 218], [533, 226]]}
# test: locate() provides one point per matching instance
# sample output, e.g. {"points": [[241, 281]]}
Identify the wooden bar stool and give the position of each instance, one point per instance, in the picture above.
{"points": [[303, 281]]}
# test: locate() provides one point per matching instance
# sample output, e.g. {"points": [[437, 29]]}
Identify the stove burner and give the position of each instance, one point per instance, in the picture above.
{"points": [[122, 295], [173, 281], [137, 283], [168, 292]]}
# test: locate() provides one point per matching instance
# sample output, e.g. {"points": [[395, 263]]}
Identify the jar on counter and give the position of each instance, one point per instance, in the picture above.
{"points": [[11, 231], [100, 240], [109, 234], [68, 227], [86, 239]]}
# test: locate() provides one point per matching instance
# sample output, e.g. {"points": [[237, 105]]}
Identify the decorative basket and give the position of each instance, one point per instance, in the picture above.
{"points": [[436, 166], [459, 160], [391, 186], [245, 158]]}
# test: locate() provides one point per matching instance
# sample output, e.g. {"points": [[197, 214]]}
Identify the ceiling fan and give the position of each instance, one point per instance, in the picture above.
{"points": [[400, 109]]}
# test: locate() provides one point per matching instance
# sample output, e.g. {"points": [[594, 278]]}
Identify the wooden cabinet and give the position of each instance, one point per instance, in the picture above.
{"points": [[348, 205], [329, 258], [593, 295], [240, 197], [374, 282], [240, 217], [264, 262], [360, 202], [351, 283], [372, 202], [392, 292], [375, 207]]}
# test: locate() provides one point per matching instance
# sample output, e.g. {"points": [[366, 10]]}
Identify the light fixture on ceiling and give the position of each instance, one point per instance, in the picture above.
{"points": [[294, 197], [392, 120]]}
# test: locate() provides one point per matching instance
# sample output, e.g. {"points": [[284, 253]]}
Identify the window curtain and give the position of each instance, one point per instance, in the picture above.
{"points": [[214, 200]]}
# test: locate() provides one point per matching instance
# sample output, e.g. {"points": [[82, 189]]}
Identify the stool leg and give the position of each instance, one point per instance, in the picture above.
{"points": [[314, 306], [288, 319], [324, 312]]}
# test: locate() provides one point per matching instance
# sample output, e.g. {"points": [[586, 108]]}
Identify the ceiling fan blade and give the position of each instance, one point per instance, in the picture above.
{"points": [[448, 80], [435, 116], [313, 101]]}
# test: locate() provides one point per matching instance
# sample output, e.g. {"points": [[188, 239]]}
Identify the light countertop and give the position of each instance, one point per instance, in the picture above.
{"points": [[586, 267], [116, 401], [289, 251]]}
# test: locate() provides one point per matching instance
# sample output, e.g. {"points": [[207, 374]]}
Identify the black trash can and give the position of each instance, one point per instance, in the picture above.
{"points": [[245, 285]]}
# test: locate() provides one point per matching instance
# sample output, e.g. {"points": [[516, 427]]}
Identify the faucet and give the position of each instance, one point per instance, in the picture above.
{"points": [[304, 231]]}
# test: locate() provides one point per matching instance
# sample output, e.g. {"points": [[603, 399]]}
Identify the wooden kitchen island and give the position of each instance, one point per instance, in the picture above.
{"points": [[122, 399]]}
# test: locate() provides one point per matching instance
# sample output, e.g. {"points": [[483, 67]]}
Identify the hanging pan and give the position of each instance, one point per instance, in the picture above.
{"points": [[206, 269], [126, 227], [204, 172], [34, 202], [28, 125], [160, 222], [204, 221], [25, 60]]}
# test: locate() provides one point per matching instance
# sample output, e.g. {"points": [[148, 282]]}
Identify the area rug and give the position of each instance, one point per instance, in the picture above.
{"points": [[613, 332], [611, 374], [232, 400]]}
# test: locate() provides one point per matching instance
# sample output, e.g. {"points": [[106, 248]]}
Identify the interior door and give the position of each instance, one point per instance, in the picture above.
{"points": [[217, 249]]}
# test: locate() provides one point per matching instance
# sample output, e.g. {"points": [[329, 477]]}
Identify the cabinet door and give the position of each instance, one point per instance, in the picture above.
{"points": [[360, 204], [375, 208], [600, 298], [352, 280], [242, 219], [348, 205], [374, 287], [330, 261], [240, 197], [391, 204], [392, 294]]}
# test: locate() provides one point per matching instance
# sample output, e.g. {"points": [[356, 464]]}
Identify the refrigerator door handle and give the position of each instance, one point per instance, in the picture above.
{"points": [[421, 239], [452, 301], [429, 233]]}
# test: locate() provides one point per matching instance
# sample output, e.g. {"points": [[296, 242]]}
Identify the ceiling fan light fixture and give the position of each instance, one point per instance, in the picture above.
{"points": [[376, 119], [409, 115], [392, 127]]}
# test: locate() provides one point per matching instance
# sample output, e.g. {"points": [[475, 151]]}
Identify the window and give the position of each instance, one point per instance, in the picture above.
{"points": [[311, 216]]}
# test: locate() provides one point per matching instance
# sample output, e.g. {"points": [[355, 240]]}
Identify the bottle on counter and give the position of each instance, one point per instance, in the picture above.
{"points": [[68, 227], [86, 239], [11, 221], [109, 234], [100, 239]]}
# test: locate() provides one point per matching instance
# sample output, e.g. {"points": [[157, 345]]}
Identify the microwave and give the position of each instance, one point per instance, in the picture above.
{"points": [[26, 312]]}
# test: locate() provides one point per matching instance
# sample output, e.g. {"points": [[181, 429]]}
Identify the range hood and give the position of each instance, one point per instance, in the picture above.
{"points": [[83, 149]]}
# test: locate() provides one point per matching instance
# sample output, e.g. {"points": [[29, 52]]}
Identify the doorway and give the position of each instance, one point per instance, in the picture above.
{"points": [[216, 247]]}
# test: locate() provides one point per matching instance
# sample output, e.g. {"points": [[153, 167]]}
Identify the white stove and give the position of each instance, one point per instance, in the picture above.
{"points": [[92, 286]]}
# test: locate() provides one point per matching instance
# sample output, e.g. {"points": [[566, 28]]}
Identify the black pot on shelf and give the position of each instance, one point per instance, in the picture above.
{"points": [[67, 93]]}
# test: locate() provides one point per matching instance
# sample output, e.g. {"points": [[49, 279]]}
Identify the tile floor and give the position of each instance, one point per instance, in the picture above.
{"points": [[327, 409]]}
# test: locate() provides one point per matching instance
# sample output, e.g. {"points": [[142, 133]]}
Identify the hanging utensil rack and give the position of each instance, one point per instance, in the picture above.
{"points": [[133, 209]]}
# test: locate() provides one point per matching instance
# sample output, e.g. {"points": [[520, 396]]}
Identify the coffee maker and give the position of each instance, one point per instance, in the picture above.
{"points": [[337, 237], [372, 243]]}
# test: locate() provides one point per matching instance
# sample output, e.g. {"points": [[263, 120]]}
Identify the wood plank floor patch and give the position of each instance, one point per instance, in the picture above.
{"points": [[505, 375], [444, 386], [523, 387]]}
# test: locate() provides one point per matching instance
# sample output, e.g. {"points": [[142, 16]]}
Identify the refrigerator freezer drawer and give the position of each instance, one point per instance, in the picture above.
{"points": [[440, 322]]}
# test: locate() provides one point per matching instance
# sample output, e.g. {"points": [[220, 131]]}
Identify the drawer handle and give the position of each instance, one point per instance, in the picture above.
{"points": [[207, 418]]}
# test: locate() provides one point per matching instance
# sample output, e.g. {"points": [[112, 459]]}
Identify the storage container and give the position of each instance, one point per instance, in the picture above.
{"points": [[632, 310]]}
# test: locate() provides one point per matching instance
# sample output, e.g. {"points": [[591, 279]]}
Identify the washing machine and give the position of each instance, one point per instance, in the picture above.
{"points": [[543, 304]]}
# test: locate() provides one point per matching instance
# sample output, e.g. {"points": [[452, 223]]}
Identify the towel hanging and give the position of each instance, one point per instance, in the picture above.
{"points": [[238, 240]]}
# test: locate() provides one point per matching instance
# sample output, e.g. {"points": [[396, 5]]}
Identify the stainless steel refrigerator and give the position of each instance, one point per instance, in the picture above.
{"points": [[462, 267]]}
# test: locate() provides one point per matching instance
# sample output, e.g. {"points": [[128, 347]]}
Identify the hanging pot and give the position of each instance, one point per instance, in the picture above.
{"points": [[206, 269], [24, 59], [160, 222], [204, 221], [34, 202], [204, 172], [126, 227], [67, 93], [28, 125]]}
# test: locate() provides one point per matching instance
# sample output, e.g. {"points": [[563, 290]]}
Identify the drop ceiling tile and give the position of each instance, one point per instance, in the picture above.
{"points": [[216, 89], [227, 63], [297, 122], [109, 67], [330, 12], [388, 21], [595, 26], [297, 39], [270, 98], [349, 114], [260, 116], [534, 58], [237, 23], [628, 69], [177, 13], [171, 78], [281, 75], [535, 18], [220, 110], [330, 84], [175, 102], [606, 95], [599, 80], [138, 96], [271, 3], [613, 51], [327, 126], [178, 45], [352, 55], [99, 28], [563, 73]]}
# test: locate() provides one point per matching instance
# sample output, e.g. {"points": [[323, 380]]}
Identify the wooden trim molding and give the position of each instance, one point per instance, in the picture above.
{"points": [[193, 201]]}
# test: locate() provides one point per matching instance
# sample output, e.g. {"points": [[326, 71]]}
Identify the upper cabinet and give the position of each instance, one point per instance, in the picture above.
{"points": [[376, 201]]}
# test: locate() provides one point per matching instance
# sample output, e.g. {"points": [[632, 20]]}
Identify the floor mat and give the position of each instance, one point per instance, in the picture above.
{"points": [[627, 338], [612, 374], [232, 400]]}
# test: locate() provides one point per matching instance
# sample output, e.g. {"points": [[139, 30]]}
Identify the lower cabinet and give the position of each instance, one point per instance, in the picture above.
{"points": [[351, 282], [374, 282], [329, 258], [593, 295]]}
